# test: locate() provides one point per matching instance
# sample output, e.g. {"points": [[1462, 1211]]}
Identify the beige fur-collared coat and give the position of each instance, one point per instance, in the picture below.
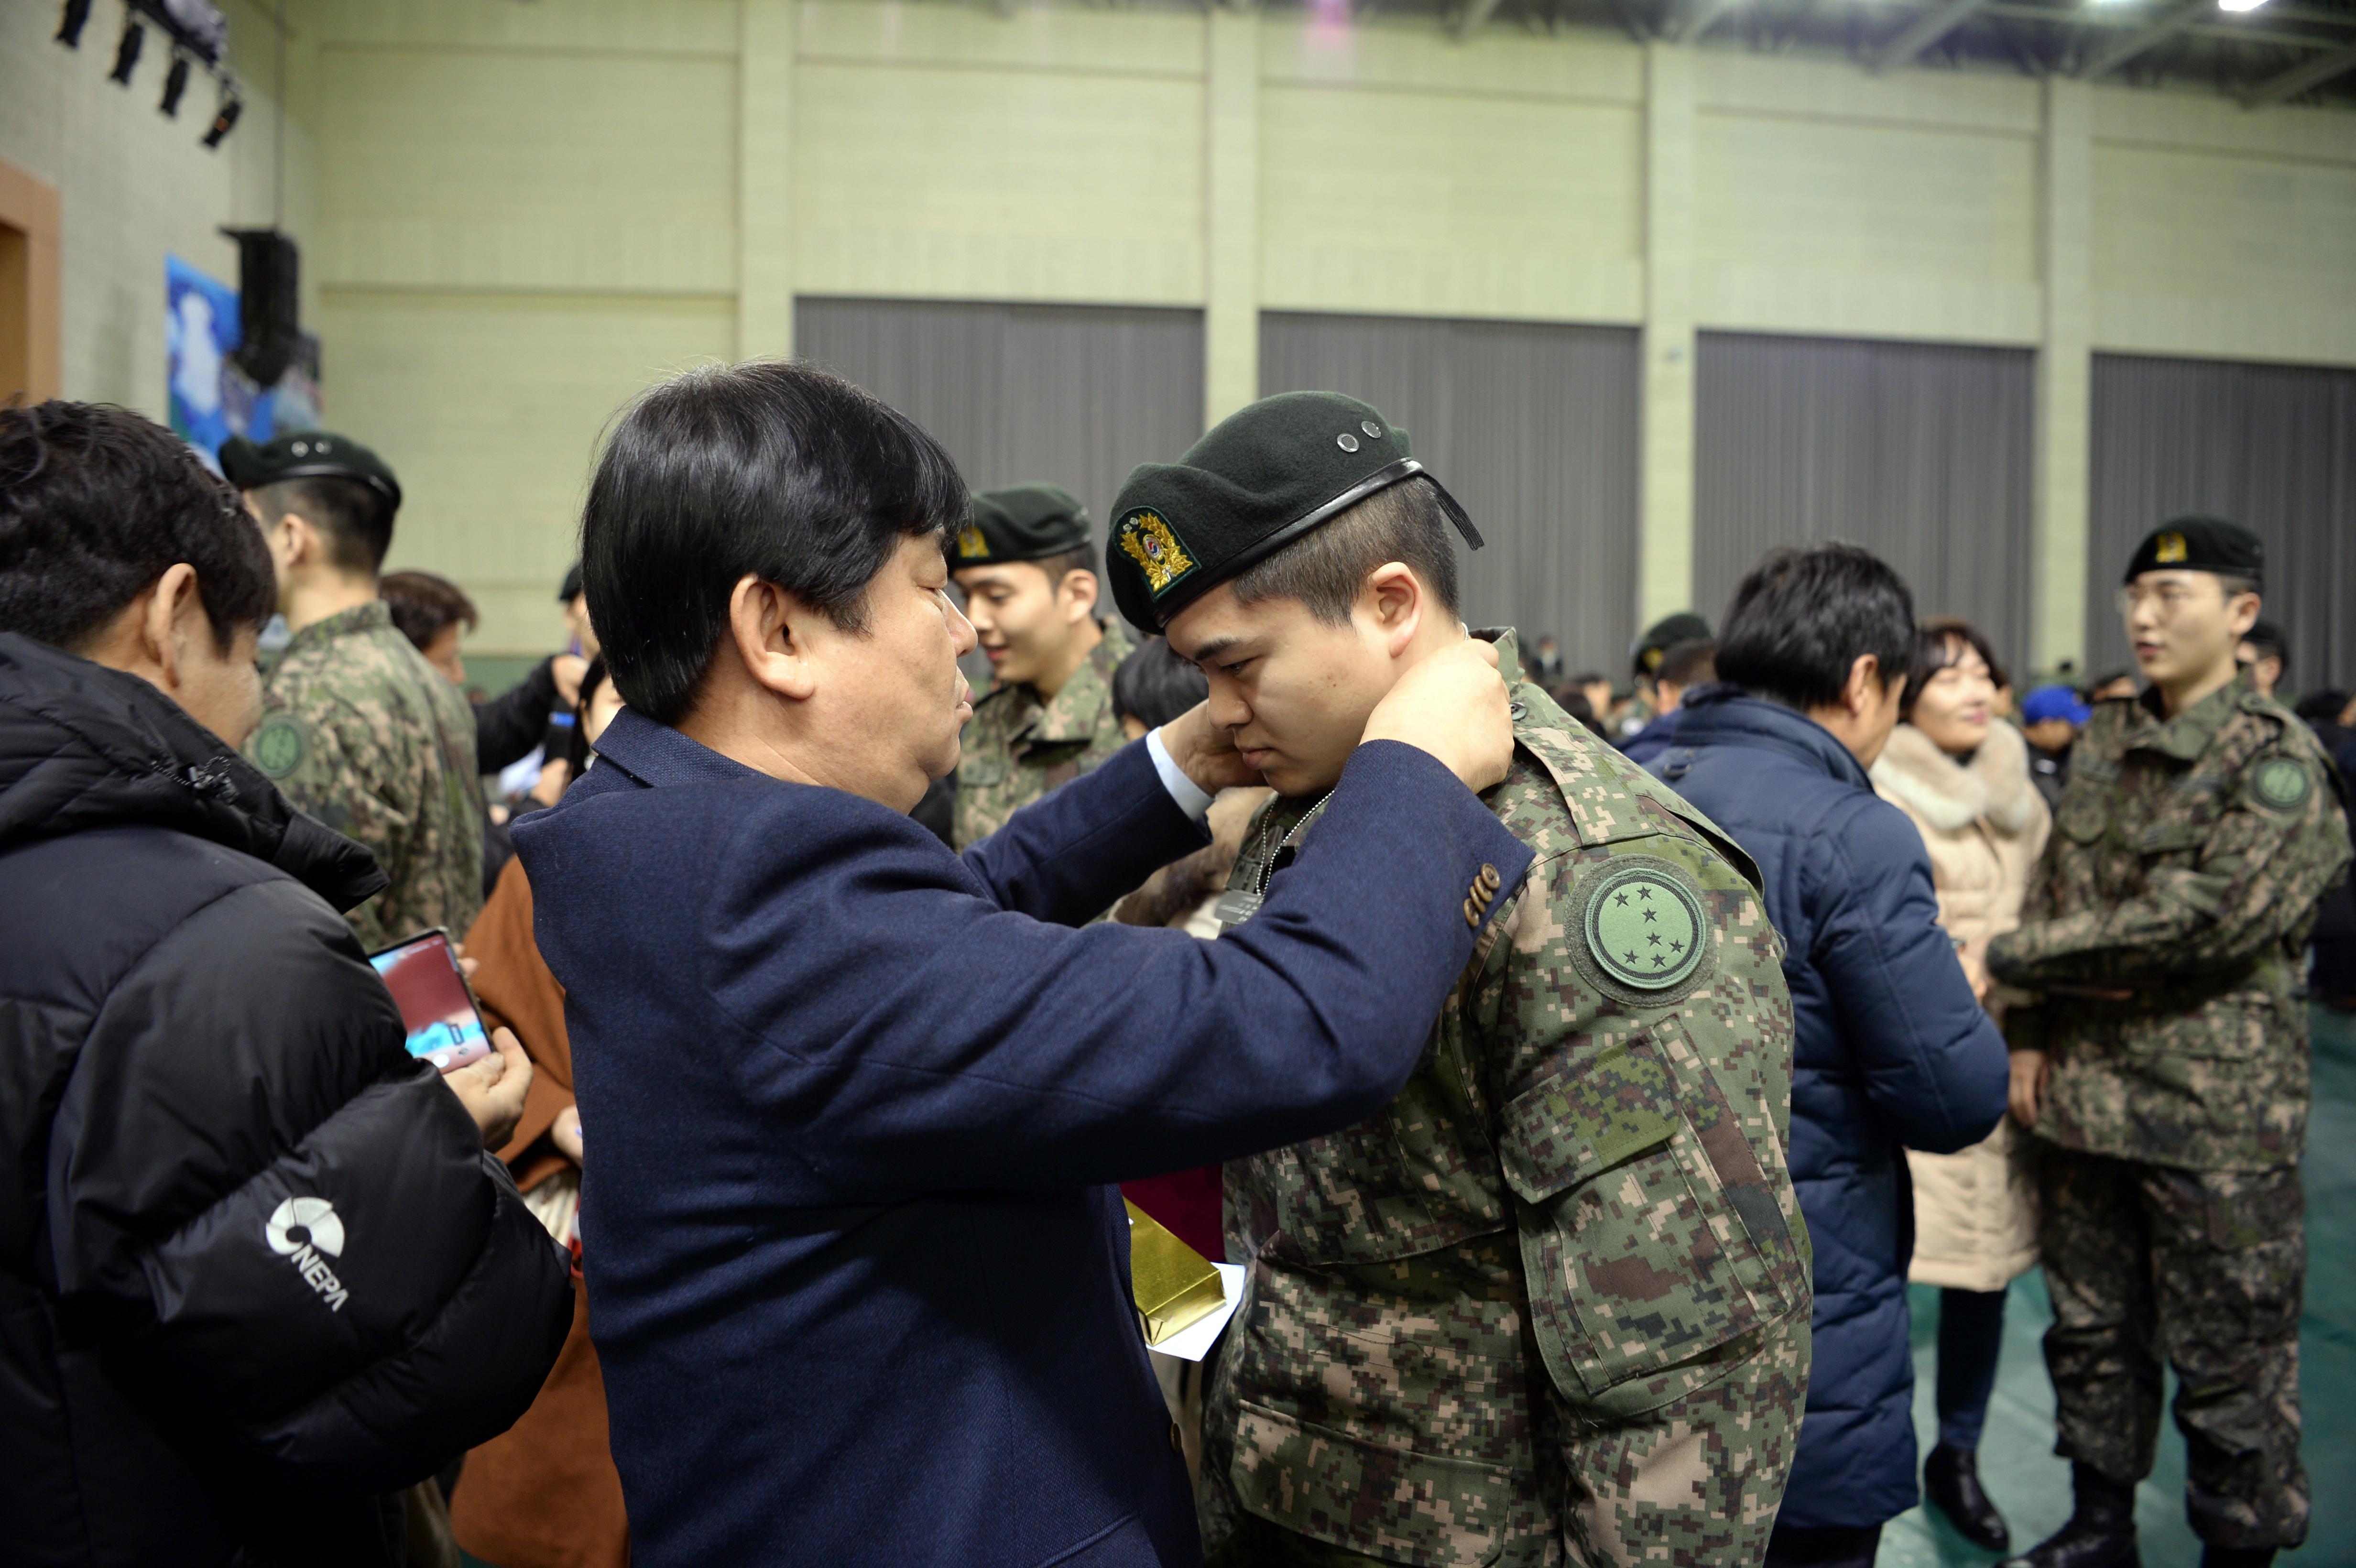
{"points": [[1984, 825]]}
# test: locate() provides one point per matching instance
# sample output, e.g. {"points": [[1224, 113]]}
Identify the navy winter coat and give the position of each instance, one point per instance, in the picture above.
{"points": [[256, 1268], [854, 1104], [1890, 1048]]}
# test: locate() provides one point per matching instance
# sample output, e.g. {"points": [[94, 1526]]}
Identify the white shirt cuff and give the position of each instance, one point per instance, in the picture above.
{"points": [[1184, 790]]}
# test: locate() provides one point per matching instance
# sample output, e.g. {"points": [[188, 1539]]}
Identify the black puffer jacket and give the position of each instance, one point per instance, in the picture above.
{"points": [[256, 1270]]}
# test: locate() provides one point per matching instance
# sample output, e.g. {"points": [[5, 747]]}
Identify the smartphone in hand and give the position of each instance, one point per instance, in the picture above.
{"points": [[437, 1008]]}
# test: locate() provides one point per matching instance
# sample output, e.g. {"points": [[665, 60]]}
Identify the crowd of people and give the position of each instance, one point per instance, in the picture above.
{"points": [[1580, 1068]]}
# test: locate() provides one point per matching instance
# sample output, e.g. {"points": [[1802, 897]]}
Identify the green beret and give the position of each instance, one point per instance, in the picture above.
{"points": [[1685, 626], [1021, 522], [2197, 543], [1265, 475], [308, 454]]}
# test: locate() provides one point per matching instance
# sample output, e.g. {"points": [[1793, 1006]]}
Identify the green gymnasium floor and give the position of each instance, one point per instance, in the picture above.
{"points": [[2016, 1459]]}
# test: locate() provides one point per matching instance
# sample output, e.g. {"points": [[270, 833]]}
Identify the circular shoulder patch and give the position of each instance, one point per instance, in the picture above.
{"points": [[2280, 783], [279, 746], [1642, 936]]}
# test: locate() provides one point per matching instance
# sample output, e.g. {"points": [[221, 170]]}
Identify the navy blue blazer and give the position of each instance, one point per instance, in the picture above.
{"points": [[1889, 1048], [852, 1101]]}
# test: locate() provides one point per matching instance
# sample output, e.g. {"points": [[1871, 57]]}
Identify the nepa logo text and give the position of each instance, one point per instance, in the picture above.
{"points": [[306, 1233]]}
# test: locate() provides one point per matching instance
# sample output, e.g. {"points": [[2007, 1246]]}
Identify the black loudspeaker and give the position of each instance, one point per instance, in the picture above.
{"points": [[268, 307]]}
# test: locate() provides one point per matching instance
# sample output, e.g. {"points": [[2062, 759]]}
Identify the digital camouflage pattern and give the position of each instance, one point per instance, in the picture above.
{"points": [[2203, 1269], [2187, 861], [1552, 1304], [1017, 748], [359, 731]]}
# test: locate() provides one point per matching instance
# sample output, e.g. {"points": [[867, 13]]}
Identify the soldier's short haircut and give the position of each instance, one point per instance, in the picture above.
{"points": [[1688, 663], [1804, 616], [96, 503], [354, 522], [424, 605], [1326, 567], [766, 469], [1081, 558]]}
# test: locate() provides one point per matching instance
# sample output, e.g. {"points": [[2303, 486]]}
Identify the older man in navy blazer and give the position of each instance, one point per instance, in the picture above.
{"points": [[851, 1102]]}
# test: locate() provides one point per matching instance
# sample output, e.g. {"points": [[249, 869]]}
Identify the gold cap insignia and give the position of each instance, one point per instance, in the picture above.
{"points": [[1146, 539], [971, 546], [2170, 551]]}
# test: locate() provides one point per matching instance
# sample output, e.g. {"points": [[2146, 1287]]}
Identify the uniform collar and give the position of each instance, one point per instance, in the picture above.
{"points": [[658, 756], [343, 624], [1080, 703], [2191, 732]]}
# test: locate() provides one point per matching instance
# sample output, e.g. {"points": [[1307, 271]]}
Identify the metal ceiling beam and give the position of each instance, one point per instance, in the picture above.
{"points": [[1689, 19], [1923, 31], [2299, 79], [1467, 20], [2117, 53]]}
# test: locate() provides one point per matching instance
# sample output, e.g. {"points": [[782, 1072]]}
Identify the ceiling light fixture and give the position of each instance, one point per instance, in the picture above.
{"points": [[2238, 5], [176, 82], [69, 25], [127, 52], [225, 117]]}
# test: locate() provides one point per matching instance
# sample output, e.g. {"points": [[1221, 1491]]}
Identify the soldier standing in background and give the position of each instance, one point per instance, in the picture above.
{"points": [[1645, 665], [1028, 571], [1557, 1293], [2166, 1066], [357, 728]]}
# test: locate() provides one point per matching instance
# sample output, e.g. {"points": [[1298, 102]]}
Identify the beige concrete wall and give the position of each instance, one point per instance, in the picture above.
{"points": [[528, 211], [133, 187]]}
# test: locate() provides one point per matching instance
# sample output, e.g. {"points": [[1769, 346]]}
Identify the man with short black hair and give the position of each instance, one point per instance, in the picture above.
{"points": [[356, 728], [860, 1289], [1551, 1301], [258, 1271], [1027, 567], [2165, 1066], [1684, 666], [1893, 1047], [1644, 656], [2264, 652]]}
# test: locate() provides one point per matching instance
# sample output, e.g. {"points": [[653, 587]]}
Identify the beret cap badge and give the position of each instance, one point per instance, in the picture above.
{"points": [[2170, 549], [970, 545], [1153, 545]]}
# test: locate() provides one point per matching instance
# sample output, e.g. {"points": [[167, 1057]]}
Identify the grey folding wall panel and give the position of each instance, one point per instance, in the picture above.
{"points": [[1921, 452], [2273, 446], [1532, 427], [1075, 394]]}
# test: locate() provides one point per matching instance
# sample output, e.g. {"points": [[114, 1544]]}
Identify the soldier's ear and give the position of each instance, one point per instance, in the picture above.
{"points": [[1083, 589]]}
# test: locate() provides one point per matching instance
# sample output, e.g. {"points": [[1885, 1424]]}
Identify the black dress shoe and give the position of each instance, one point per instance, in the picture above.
{"points": [[2101, 1532], [1951, 1477]]}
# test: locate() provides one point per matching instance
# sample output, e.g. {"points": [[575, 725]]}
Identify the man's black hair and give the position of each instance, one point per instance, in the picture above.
{"points": [[1154, 685], [768, 469], [354, 521], [425, 604], [1803, 617], [576, 740], [96, 503], [2322, 706], [1326, 567]]}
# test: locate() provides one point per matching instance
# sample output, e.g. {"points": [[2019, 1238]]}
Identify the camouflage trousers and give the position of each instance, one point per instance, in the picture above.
{"points": [[2203, 1270], [1692, 1483]]}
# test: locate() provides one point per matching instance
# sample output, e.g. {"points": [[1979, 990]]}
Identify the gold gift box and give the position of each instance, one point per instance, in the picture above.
{"points": [[1172, 1282]]}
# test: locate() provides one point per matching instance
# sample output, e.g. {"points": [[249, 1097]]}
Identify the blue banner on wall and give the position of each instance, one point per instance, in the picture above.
{"points": [[212, 398]]}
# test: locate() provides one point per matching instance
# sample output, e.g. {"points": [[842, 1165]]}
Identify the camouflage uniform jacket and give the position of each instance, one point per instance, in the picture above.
{"points": [[1018, 748], [358, 730], [1577, 1208], [2187, 862]]}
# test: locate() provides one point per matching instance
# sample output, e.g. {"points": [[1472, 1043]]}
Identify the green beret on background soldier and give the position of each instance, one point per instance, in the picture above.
{"points": [[1645, 656], [1556, 1296], [2165, 1066], [357, 728], [1027, 565], [2264, 652]]}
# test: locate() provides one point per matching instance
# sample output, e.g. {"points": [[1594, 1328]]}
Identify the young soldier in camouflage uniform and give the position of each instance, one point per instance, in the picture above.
{"points": [[357, 728], [2166, 1068], [1029, 575], [1552, 1304]]}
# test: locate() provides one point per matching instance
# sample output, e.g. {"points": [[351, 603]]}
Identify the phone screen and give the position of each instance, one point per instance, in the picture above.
{"points": [[423, 976]]}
